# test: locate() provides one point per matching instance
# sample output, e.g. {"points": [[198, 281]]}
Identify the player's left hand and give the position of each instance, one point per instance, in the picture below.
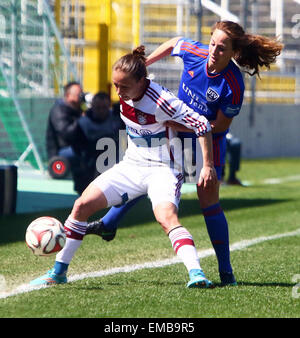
{"points": [[208, 177]]}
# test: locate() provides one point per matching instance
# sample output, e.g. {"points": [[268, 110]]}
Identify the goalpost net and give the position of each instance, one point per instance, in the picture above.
{"points": [[34, 65]]}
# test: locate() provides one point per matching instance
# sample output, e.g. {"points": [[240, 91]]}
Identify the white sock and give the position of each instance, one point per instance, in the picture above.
{"points": [[183, 245], [66, 254], [75, 232]]}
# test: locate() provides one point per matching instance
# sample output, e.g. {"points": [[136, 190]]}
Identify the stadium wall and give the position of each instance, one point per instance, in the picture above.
{"points": [[274, 133]]}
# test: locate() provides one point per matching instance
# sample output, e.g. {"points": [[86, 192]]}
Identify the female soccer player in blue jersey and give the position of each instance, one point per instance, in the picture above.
{"points": [[211, 84]]}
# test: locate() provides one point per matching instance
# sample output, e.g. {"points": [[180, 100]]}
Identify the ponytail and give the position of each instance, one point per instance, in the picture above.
{"points": [[133, 63], [139, 52], [251, 51]]}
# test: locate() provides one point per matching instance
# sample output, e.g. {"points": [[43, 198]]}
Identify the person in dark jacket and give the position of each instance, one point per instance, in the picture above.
{"points": [[97, 123], [64, 136]]}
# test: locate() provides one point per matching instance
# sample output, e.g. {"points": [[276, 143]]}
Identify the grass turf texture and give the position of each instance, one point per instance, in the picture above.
{"points": [[264, 271]]}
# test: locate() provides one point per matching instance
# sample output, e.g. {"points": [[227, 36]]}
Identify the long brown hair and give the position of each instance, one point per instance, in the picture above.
{"points": [[133, 63], [251, 51]]}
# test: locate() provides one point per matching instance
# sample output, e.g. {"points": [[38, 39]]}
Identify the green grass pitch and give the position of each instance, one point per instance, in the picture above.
{"points": [[266, 272]]}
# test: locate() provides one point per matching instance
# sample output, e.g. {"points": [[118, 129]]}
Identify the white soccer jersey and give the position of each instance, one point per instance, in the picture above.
{"points": [[150, 142]]}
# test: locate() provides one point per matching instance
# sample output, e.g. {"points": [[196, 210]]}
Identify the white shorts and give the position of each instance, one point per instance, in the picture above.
{"points": [[126, 181]]}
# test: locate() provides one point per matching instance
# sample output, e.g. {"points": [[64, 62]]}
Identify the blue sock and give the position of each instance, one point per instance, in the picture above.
{"points": [[217, 228], [60, 268], [114, 215]]}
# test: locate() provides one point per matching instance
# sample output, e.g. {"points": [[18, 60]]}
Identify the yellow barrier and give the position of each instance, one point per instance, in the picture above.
{"points": [[111, 30]]}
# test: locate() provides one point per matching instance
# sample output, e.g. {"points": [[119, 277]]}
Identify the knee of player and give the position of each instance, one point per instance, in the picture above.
{"points": [[80, 208], [167, 221]]}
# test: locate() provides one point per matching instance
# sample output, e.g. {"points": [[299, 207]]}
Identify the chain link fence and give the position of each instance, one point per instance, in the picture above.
{"points": [[34, 65]]}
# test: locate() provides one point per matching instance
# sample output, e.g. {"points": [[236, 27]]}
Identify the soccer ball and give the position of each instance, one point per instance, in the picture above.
{"points": [[45, 236]]}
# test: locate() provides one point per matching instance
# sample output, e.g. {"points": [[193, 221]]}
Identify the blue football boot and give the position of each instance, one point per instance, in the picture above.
{"points": [[198, 280], [50, 278], [227, 279]]}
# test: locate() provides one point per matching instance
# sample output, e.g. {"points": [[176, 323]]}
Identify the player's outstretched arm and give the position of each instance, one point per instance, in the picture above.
{"points": [[163, 50]]}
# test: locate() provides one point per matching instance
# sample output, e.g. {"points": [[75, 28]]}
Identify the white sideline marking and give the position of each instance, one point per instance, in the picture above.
{"points": [[150, 265], [275, 180], [281, 179]]}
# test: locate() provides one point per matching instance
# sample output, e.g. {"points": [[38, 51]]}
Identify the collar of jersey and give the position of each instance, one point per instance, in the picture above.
{"points": [[140, 97], [211, 75]]}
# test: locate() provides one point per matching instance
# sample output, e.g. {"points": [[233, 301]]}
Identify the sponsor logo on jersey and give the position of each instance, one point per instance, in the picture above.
{"points": [[191, 72], [211, 95], [145, 132], [195, 101], [142, 132]]}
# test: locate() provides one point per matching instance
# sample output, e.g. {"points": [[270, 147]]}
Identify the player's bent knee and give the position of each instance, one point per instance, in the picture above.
{"points": [[85, 207], [167, 218], [80, 210]]}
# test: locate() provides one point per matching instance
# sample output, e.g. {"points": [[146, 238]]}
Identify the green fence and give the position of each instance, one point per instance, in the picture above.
{"points": [[34, 66]]}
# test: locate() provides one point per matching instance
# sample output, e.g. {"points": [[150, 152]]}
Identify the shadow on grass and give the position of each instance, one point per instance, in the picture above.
{"points": [[99, 285], [268, 284], [190, 207], [13, 227]]}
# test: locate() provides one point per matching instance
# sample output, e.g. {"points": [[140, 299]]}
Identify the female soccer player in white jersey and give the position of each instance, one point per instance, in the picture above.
{"points": [[150, 166], [212, 85]]}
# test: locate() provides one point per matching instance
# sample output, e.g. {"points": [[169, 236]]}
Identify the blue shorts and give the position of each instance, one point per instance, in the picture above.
{"points": [[219, 150]]}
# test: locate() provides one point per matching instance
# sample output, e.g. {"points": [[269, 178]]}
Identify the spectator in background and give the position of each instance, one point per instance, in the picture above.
{"points": [[64, 136], [98, 122], [233, 149]]}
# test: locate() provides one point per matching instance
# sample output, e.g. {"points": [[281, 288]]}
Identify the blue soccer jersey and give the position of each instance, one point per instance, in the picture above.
{"points": [[207, 92]]}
